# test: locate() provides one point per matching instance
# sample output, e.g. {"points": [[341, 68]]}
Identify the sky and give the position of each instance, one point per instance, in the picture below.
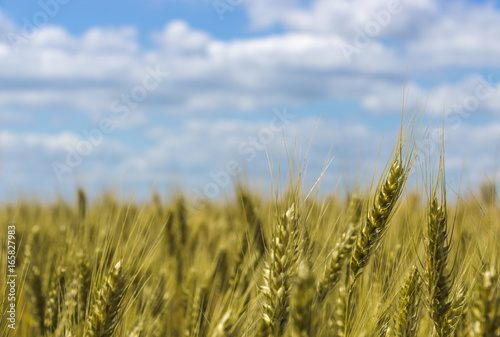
{"points": [[194, 95]]}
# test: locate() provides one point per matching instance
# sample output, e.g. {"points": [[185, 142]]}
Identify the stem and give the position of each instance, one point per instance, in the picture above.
{"points": [[348, 307]]}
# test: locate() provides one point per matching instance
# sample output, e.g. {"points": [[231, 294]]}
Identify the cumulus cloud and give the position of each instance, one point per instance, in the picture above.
{"points": [[428, 34], [462, 36], [297, 66], [475, 94], [403, 17], [45, 142], [178, 37]]}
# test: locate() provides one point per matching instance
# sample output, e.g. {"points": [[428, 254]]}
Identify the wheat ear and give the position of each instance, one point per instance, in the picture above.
{"points": [[82, 204], [107, 309], [253, 220], [303, 309], [444, 309], [333, 271], [376, 223], [54, 303], [386, 198], [84, 283], [341, 250], [276, 290], [338, 321], [407, 316], [378, 215], [486, 309], [38, 297]]}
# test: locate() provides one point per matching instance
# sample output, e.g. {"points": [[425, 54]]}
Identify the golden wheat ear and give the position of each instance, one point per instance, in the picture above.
{"points": [[387, 195], [107, 309], [54, 304], [406, 321], [277, 274], [303, 300], [83, 288], [378, 215], [444, 306], [486, 309], [82, 203], [341, 251], [383, 203]]}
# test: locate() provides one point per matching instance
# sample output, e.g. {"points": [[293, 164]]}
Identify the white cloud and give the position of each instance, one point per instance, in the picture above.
{"points": [[56, 144], [464, 35], [340, 17], [88, 72], [178, 37], [471, 95]]}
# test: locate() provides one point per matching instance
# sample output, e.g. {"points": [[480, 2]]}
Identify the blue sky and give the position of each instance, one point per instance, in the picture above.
{"points": [[121, 95]]}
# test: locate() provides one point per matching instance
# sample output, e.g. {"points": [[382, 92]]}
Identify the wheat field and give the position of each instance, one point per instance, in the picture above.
{"points": [[380, 260]]}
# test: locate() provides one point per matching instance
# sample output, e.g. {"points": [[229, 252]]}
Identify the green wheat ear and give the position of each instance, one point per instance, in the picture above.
{"points": [[107, 309]]}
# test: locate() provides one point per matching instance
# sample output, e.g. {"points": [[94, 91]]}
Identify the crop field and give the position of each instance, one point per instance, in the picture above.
{"points": [[381, 260]]}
